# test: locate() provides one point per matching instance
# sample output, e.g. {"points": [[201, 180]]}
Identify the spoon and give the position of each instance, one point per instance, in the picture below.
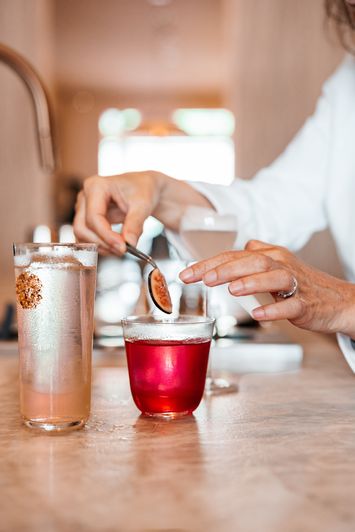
{"points": [[140, 255], [157, 284]]}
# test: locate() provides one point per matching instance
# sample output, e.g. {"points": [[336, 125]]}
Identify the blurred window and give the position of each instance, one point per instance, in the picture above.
{"points": [[113, 122], [197, 145]]}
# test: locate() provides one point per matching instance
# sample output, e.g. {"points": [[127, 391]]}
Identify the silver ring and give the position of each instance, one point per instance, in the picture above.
{"points": [[285, 294]]}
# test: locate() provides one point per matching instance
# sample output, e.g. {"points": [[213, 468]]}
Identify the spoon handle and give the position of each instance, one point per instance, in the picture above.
{"points": [[140, 255]]}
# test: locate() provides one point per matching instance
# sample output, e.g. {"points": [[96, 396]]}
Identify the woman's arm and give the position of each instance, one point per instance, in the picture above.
{"points": [[130, 199], [284, 203]]}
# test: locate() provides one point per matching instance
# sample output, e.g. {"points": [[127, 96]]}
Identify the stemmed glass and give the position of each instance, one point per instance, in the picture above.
{"points": [[205, 233]]}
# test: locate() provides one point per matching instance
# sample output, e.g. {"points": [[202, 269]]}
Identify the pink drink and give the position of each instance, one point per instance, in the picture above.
{"points": [[167, 376], [56, 408], [55, 343]]}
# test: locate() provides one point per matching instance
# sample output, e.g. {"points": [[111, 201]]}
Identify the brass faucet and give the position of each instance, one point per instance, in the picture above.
{"points": [[40, 102]]}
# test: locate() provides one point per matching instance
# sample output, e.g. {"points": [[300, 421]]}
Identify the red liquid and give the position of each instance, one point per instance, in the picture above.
{"points": [[167, 376]]}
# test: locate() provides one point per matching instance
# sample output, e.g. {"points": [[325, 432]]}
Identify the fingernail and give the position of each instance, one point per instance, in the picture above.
{"points": [[266, 324], [237, 286], [119, 247], [131, 238], [258, 313], [187, 275], [210, 277]]}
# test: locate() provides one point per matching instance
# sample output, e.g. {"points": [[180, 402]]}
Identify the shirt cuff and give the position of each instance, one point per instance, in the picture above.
{"points": [[347, 345]]}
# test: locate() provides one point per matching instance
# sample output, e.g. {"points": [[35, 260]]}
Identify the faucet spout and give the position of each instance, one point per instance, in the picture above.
{"points": [[40, 102]]}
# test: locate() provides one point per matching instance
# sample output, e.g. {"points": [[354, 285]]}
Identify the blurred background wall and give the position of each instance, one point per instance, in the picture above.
{"points": [[265, 60], [25, 191], [281, 51]]}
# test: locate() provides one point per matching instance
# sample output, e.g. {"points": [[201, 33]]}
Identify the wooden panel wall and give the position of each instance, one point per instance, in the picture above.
{"points": [[280, 53]]}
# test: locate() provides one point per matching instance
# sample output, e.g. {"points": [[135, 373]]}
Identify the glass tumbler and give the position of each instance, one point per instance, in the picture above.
{"points": [[55, 291], [167, 362]]}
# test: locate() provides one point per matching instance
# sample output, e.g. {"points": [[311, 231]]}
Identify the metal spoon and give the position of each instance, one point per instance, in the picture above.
{"points": [[157, 284], [140, 255]]}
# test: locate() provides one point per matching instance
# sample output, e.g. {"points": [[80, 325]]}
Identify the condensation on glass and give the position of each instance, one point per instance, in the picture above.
{"points": [[55, 290]]}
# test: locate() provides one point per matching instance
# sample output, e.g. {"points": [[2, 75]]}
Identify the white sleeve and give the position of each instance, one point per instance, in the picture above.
{"points": [[284, 203], [348, 349]]}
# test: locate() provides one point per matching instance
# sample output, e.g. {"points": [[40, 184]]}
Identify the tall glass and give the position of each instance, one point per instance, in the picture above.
{"points": [[167, 362], [206, 233], [55, 291]]}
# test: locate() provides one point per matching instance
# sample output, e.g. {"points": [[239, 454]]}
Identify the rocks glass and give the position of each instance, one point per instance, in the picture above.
{"points": [[167, 362]]}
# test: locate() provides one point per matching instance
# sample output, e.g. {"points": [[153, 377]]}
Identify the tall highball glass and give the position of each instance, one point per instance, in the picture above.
{"points": [[55, 291]]}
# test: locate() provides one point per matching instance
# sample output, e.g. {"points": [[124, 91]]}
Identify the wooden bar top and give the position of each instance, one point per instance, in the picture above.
{"points": [[278, 456]]}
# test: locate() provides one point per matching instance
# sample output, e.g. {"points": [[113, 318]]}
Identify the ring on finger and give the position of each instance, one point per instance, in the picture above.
{"points": [[291, 292]]}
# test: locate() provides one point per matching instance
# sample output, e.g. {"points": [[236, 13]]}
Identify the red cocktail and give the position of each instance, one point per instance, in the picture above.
{"points": [[167, 363]]}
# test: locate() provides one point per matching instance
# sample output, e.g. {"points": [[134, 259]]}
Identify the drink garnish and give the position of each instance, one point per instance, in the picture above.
{"points": [[28, 290], [159, 291]]}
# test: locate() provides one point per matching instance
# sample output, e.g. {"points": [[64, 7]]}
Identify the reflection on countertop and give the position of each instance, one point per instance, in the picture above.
{"points": [[284, 445]]}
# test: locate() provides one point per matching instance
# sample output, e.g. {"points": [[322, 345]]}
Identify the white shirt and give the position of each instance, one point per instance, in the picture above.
{"points": [[309, 187]]}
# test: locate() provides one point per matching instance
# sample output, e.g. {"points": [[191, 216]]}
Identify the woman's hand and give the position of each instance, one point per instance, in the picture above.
{"points": [[129, 199], [320, 303]]}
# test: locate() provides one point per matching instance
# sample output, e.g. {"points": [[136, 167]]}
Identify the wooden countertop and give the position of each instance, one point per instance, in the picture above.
{"points": [[279, 456]]}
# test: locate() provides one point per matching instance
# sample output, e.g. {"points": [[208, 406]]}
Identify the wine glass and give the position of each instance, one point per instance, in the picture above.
{"points": [[205, 233]]}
